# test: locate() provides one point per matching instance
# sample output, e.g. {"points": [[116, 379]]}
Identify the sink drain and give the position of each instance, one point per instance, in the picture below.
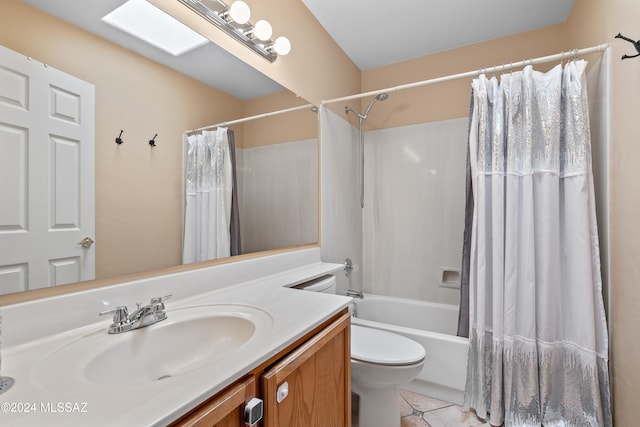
{"points": [[6, 383]]}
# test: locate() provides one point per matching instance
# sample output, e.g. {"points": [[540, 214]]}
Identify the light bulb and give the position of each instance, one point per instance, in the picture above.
{"points": [[282, 45], [262, 30], [240, 12]]}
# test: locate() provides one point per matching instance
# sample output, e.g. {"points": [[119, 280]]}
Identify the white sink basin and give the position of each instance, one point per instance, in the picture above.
{"points": [[150, 354], [188, 339]]}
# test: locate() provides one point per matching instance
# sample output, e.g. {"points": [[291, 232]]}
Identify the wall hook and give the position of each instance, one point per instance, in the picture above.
{"points": [[152, 141], [119, 139], [635, 43]]}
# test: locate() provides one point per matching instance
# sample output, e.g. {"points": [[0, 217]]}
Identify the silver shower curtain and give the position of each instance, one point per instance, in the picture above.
{"points": [[208, 194], [538, 340]]}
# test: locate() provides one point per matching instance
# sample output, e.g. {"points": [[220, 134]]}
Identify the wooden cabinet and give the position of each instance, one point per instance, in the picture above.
{"points": [[318, 379], [224, 410], [317, 373]]}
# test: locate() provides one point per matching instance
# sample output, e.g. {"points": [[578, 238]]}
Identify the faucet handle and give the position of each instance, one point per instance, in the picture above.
{"points": [[157, 305], [121, 313], [158, 300]]}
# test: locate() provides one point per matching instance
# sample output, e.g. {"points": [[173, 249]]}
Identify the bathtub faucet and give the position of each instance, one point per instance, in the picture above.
{"points": [[355, 294]]}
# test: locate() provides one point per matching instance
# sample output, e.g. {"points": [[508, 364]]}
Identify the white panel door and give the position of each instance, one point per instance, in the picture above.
{"points": [[47, 202]]}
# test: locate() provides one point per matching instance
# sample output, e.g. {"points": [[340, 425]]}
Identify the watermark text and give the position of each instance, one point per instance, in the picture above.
{"points": [[43, 407]]}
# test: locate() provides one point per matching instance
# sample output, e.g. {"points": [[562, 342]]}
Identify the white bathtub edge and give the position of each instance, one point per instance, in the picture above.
{"points": [[444, 373]]}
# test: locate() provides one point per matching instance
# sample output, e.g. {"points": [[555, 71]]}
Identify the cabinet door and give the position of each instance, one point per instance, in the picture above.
{"points": [[224, 410], [318, 377]]}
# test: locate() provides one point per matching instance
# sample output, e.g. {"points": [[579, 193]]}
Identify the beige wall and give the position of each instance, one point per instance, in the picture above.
{"points": [[287, 127], [596, 21], [449, 100], [138, 189]]}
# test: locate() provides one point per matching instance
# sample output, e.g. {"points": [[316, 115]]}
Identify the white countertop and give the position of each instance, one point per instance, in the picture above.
{"points": [[77, 402]]}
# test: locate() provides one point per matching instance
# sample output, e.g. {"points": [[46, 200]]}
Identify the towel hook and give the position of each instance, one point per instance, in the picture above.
{"points": [[119, 138], [152, 141], [635, 43]]}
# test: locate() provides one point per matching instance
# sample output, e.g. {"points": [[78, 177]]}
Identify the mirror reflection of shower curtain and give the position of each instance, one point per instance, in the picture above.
{"points": [[538, 345], [209, 187]]}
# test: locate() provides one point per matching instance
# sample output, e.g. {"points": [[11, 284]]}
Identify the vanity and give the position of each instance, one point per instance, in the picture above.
{"points": [[234, 333], [308, 385]]}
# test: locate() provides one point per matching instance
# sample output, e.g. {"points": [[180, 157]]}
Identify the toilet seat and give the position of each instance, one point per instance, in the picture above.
{"points": [[384, 348]]}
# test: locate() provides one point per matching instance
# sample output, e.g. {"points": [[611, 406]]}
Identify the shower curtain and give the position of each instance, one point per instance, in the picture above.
{"points": [[209, 187], [538, 339]]}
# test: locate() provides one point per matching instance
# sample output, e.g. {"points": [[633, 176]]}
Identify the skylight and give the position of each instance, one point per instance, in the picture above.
{"points": [[152, 25]]}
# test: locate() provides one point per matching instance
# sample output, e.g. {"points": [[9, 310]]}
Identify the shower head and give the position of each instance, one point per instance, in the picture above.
{"points": [[379, 97], [363, 116]]}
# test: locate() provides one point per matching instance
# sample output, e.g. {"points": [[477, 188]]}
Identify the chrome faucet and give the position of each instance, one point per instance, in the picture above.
{"points": [[143, 316], [355, 294]]}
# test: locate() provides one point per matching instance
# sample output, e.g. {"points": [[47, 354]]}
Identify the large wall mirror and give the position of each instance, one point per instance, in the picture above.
{"points": [[140, 92]]}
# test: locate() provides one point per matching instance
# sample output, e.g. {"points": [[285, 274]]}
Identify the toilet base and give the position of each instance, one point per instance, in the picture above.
{"points": [[378, 407]]}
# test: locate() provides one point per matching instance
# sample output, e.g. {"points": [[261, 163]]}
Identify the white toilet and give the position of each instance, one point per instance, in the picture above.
{"points": [[380, 362]]}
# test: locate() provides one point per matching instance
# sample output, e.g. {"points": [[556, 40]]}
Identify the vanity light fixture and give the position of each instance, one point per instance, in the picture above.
{"points": [[240, 12], [152, 25], [282, 45], [234, 20], [262, 30]]}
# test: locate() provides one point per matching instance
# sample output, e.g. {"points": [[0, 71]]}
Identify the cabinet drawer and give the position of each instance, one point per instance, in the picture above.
{"points": [[224, 410]]}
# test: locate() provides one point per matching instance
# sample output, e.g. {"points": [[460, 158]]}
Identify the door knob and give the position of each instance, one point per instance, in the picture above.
{"points": [[86, 242]]}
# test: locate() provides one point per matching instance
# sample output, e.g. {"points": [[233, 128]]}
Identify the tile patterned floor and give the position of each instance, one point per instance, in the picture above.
{"points": [[422, 411]]}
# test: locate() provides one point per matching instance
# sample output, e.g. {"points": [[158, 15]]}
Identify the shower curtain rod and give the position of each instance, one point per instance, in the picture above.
{"points": [[495, 69], [246, 119]]}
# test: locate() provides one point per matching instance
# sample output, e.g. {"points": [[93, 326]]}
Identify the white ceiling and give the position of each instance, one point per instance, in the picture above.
{"points": [[371, 32], [380, 32]]}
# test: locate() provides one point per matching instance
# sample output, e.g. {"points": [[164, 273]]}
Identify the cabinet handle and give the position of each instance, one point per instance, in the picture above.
{"points": [[283, 392], [253, 411]]}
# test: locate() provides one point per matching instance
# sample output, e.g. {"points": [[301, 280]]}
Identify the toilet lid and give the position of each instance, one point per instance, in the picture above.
{"points": [[384, 348]]}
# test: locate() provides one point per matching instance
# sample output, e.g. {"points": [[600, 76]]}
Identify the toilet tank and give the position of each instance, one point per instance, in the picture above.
{"points": [[325, 284]]}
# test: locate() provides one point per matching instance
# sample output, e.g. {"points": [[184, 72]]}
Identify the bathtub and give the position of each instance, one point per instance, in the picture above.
{"points": [[434, 326]]}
